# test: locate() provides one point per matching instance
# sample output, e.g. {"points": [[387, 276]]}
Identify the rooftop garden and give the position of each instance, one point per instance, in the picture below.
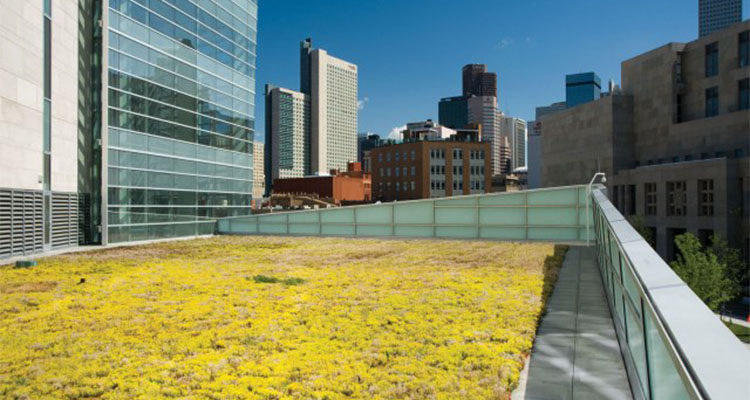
{"points": [[275, 318]]}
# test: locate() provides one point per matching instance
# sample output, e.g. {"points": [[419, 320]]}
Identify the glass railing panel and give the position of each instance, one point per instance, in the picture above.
{"points": [[666, 382]]}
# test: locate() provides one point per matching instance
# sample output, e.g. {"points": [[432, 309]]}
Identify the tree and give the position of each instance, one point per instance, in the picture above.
{"points": [[737, 270], [703, 272]]}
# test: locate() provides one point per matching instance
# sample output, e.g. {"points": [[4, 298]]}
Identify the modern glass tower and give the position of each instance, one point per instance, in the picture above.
{"points": [[582, 88], [178, 103]]}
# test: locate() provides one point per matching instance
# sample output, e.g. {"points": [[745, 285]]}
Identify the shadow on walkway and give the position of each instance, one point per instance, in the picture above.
{"points": [[576, 354]]}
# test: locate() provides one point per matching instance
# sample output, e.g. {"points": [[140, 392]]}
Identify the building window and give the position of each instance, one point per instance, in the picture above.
{"points": [[413, 185], [712, 101], [397, 153], [413, 171], [388, 156], [706, 197], [380, 157], [712, 59], [744, 94], [676, 199], [679, 117], [396, 170], [631, 200], [649, 190], [743, 49]]}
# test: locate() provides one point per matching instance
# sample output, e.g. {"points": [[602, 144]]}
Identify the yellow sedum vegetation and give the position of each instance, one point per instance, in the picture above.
{"points": [[328, 319]]}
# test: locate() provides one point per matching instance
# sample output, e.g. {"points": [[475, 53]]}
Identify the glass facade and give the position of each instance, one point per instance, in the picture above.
{"points": [[453, 112], [180, 95], [582, 88]]}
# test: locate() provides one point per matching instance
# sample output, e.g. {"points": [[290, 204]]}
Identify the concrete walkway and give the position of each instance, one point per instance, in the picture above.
{"points": [[576, 354]]}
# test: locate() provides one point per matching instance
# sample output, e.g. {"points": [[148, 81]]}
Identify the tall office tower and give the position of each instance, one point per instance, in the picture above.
{"points": [[305, 48], [453, 112], [515, 130], [288, 133], [259, 178], [179, 104], [477, 81], [714, 15], [333, 138], [38, 122], [483, 110], [144, 122], [582, 88], [315, 130]]}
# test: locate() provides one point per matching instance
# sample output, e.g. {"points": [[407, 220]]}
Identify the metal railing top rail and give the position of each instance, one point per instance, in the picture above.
{"points": [[713, 358]]}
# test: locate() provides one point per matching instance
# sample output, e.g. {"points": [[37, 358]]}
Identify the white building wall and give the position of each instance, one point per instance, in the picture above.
{"points": [[22, 96]]}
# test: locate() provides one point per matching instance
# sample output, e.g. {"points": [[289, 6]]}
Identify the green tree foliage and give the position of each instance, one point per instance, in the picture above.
{"points": [[737, 270], [703, 272]]}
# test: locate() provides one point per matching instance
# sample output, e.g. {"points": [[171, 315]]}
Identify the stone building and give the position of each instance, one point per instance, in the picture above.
{"points": [[674, 143]]}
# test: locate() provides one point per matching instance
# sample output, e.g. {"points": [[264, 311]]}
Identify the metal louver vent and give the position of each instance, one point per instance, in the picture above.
{"points": [[64, 219], [21, 222]]}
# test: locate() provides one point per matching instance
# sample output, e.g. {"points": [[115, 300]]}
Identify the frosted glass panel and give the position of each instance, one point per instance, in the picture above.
{"points": [[268, 228], [457, 201], [564, 234], [456, 216], [374, 215], [414, 213], [337, 230], [455, 232], [553, 197], [281, 217], [502, 216], [304, 229], [366, 230], [552, 216], [343, 215], [503, 233], [304, 217], [637, 345], [503, 199], [414, 231]]}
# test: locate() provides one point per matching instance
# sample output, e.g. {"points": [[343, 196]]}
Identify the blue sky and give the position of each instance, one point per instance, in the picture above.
{"points": [[410, 52]]}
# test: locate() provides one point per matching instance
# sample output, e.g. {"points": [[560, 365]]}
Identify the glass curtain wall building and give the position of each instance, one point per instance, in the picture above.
{"points": [[178, 90]]}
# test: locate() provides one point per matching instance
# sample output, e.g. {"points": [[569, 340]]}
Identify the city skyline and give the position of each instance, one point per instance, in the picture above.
{"points": [[405, 70]]}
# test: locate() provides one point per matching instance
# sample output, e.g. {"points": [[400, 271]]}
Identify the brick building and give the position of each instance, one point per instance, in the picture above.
{"points": [[425, 169], [354, 185]]}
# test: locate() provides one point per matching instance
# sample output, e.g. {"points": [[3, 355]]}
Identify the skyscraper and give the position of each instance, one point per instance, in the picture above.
{"points": [[515, 130], [477, 81], [582, 88], [453, 112], [333, 138], [314, 130], [288, 133], [483, 110], [145, 124], [714, 15]]}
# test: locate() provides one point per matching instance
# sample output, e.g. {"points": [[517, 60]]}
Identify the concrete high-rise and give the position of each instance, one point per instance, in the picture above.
{"points": [[314, 130], [515, 130], [287, 133], [673, 141], [333, 101], [714, 15], [483, 110], [582, 88], [476, 81], [259, 178]]}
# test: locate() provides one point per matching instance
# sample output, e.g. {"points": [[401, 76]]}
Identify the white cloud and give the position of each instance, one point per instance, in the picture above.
{"points": [[361, 103], [506, 42], [395, 133]]}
